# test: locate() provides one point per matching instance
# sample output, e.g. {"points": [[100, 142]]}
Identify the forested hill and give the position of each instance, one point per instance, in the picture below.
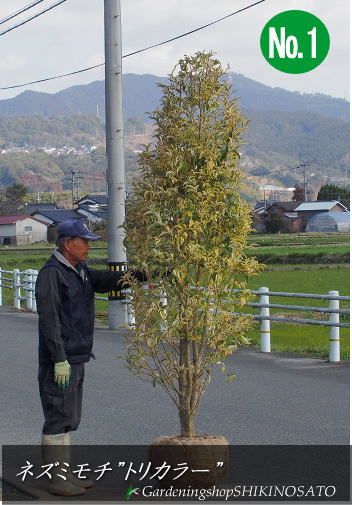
{"points": [[275, 139], [57, 131], [140, 94]]}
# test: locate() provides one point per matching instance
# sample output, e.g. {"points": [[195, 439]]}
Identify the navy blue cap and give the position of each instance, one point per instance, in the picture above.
{"points": [[76, 228]]}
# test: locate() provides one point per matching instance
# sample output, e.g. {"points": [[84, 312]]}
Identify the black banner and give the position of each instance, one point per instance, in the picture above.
{"points": [[181, 472]]}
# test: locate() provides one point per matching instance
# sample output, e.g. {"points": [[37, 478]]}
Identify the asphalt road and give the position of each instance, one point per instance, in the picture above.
{"points": [[275, 399]]}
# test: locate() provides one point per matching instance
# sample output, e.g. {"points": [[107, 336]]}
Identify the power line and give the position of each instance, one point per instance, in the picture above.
{"points": [[134, 52], [32, 17], [283, 170], [55, 77], [195, 30], [24, 9]]}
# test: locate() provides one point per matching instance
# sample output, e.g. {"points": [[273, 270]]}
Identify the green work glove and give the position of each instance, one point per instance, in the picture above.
{"points": [[62, 374]]}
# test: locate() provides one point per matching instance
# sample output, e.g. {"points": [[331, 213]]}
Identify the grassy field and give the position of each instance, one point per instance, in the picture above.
{"points": [[305, 339], [302, 339], [309, 250], [279, 239]]}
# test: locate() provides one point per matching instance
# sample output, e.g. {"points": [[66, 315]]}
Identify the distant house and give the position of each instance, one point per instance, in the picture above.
{"points": [[93, 213], [309, 209], [295, 215], [93, 207], [282, 206], [291, 220], [100, 200], [329, 222], [32, 207], [55, 216], [21, 230]]}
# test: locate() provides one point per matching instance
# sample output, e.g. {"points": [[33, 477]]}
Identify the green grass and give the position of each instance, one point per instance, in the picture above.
{"points": [[303, 281], [35, 259], [300, 249], [45, 245], [283, 239], [302, 339]]}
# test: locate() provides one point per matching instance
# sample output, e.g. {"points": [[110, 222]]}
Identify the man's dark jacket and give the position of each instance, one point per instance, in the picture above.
{"points": [[65, 304]]}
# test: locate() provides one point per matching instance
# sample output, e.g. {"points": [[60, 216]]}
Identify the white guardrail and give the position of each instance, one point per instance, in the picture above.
{"points": [[17, 280]]}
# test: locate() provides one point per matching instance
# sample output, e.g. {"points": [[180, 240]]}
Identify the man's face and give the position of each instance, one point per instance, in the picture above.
{"points": [[77, 249]]}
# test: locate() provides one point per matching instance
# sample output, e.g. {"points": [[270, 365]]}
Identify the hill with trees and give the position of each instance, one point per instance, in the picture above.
{"points": [[285, 129], [140, 94], [39, 131], [276, 141]]}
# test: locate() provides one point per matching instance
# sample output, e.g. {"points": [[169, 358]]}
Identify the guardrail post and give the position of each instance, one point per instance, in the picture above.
{"points": [[16, 288], [34, 280], [334, 339], [28, 288], [131, 320], [0, 288], [264, 323]]}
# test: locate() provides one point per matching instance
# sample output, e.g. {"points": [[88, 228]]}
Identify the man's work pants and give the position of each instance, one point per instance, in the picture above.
{"points": [[62, 408]]}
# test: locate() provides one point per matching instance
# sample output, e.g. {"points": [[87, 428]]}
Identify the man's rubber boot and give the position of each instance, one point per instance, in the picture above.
{"points": [[70, 477], [54, 450]]}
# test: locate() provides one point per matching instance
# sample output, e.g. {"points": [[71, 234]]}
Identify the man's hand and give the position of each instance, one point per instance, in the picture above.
{"points": [[62, 374], [139, 276]]}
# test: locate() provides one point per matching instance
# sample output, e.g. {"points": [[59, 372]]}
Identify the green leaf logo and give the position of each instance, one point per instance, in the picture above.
{"points": [[130, 491]]}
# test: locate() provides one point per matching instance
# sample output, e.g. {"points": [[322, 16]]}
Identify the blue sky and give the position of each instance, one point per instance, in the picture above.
{"points": [[71, 37]]}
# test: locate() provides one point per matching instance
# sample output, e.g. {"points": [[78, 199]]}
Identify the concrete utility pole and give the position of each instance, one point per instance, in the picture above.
{"points": [[116, 166], [305, 184]]}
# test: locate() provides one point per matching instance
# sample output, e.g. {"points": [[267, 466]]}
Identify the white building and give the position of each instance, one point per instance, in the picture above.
{"points": [[22, 230]]}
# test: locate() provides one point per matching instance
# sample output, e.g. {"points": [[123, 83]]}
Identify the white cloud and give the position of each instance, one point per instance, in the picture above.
{"points": [[71, 37]]}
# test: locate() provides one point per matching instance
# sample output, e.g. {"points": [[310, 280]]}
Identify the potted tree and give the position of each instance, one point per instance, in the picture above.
{"points": [[186, 227]]}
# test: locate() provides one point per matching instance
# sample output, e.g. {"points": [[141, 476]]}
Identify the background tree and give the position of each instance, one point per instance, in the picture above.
{"points": [[187, 226], [329, 192], [12, 199], [298, 193], [276, 222]]}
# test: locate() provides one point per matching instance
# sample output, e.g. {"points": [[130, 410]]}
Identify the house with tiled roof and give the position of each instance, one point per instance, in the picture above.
{"points": [[290, 218], [295, 215], [22, 230], [93, 207], [93, 213], [100, 200], [307, 210], [55, 216], [29, 208]]}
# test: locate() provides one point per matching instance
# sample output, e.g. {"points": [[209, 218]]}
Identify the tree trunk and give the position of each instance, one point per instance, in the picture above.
{"points": [[185, 387], [187, 423]]}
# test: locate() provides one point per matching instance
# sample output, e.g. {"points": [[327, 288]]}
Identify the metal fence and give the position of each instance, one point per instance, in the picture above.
{"points": [[16, 280]]}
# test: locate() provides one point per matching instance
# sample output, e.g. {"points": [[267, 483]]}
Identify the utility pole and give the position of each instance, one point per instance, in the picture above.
{"points": [[304, 184], [116, 190], [74, 183]]}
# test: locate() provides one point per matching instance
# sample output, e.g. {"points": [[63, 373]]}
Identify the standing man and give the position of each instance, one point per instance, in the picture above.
{"points": [[65, 301]]}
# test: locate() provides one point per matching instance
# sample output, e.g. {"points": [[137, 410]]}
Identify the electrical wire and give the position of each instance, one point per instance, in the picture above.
{"points": [[55, 77], [24, 9], [306, 164], [134, 52], [32, 17], [196, 29]]}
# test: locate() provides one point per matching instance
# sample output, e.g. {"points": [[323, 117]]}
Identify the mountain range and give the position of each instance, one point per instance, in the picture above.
{"points": [[285, 129], [141, 95]]}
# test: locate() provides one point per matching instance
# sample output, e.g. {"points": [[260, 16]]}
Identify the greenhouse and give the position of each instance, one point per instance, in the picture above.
{"points": [[329, 222]]}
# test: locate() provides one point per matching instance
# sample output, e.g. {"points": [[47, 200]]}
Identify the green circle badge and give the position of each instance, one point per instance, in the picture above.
{"points": [[295, 42]]}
